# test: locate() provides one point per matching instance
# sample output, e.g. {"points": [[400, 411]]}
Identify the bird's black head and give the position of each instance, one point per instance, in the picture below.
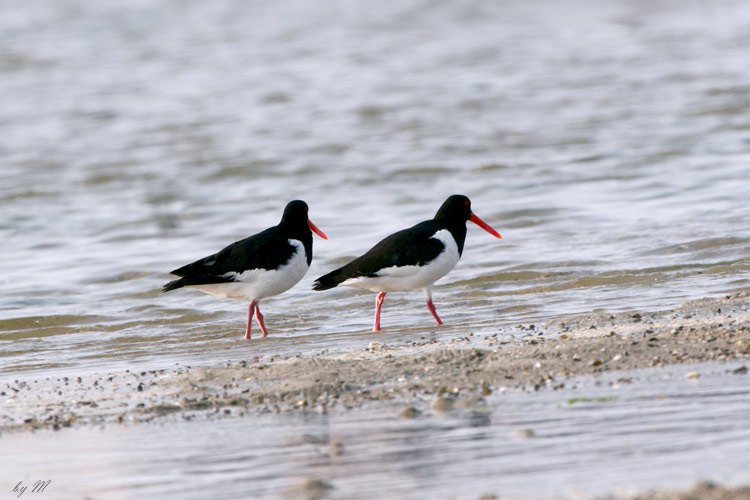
{"points": [[456, 209], [295, 213], [296, 222]]}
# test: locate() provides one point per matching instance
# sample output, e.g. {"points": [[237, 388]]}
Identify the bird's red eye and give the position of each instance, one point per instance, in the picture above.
{"points": [[467, 203]]}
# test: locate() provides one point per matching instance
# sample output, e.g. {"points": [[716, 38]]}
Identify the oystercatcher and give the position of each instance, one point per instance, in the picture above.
{"points": [[410, 259], [265, 264]]}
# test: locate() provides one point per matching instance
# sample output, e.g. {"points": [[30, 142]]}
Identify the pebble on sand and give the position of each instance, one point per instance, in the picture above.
{"points": [[441, 405], [408, 412], [522, 434], [310, 489], [336, 449]]}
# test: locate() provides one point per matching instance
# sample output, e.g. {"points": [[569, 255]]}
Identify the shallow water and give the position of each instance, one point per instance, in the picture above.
{"points": [[618, 432], [607, 143]]}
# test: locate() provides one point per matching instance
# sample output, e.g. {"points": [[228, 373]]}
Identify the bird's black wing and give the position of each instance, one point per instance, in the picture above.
{"points": [[265, 250], [414, 246]]}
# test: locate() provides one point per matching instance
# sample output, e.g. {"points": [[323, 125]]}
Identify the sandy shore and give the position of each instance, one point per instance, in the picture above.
{"points": [[701, 491], [419, 376], [407, 380]]}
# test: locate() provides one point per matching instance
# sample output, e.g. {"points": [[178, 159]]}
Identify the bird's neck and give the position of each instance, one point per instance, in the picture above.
{"points": [[457, 230]]}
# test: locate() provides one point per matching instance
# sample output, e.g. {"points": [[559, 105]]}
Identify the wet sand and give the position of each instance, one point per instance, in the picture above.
{"points": [[701, 491], [419, 375], [408, 380]]}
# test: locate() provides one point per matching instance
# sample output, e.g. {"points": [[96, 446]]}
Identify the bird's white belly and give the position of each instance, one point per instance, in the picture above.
{"points": [[256, 284], [398, 279]]}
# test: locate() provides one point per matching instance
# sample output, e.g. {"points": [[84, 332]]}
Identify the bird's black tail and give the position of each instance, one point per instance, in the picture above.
{"points": [[328, 281], [173, 285]]}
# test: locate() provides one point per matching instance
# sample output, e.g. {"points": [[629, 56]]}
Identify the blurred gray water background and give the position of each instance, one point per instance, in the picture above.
{"points": [[609, 142]]}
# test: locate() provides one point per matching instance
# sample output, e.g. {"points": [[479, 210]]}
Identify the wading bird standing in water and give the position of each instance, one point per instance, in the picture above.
{"points": [[411, 259], [263, 265]]}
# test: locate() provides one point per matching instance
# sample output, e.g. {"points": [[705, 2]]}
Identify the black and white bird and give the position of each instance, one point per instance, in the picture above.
{"points": [[263, 265], [411, 259]]}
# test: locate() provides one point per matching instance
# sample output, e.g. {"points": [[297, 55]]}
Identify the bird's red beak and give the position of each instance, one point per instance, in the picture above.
{"points": [[479, 222], [317, 231]]}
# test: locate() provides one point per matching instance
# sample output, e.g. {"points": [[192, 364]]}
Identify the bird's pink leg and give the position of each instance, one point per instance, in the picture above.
{"points": [[259, 317], [431, 306], [250, 311], [378, 304]]}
